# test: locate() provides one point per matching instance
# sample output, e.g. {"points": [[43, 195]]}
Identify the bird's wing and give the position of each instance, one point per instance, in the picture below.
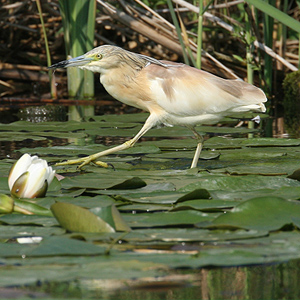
{"points": [[186, 91]]}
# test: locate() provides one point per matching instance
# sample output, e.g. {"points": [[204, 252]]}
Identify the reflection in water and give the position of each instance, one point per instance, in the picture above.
{"points": [[44, 113], [80, 112], [277, 281], [280, 281]]}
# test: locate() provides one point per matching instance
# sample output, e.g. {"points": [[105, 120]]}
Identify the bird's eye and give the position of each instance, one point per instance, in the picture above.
{"points": [[99, 56]]}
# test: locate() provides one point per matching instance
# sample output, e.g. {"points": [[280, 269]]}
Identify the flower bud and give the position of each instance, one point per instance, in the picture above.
{"points": [[30, 177]]}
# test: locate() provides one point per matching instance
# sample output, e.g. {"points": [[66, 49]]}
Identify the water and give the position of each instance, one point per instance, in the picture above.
{"points": [[277, 281]]}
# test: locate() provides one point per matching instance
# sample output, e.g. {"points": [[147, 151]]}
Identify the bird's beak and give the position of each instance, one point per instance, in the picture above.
{"points": [[73, 62]]}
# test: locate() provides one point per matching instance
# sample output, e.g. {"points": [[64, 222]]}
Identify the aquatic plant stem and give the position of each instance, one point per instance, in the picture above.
{"points": [[49, 63], [199, 35], [177, 26]]}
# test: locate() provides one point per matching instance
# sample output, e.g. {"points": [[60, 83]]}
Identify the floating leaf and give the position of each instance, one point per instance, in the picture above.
{"points": [[78, 219], [112, 181], [9, 231], [165, 219], [239, 183], [120, 224], [270, 142], [143, 207], [51, 246], [62, 246], [19, 219], [132, 183], [123, 118], [153, 198], [196, 194], [83, 201], [112, 216], [261, 213], [295, 175], [206, 205], [175, 235], [288, 192]]}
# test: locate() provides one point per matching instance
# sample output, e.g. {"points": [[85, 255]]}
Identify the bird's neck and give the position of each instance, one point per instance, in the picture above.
{"points": [[125, 70], [131, 60], [124, 74]]}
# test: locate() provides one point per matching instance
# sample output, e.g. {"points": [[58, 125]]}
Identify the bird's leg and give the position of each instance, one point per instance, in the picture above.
{"points": [[198, 149], [150, 122]]}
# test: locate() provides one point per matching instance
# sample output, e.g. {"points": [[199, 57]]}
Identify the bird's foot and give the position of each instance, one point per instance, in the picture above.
{"points": [[84, 161], [93, 158]]}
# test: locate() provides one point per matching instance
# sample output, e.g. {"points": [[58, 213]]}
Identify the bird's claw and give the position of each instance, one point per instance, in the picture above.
{"points": [[104, 164], [85, 162]]}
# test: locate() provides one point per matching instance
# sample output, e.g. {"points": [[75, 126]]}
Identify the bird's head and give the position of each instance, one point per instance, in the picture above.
{"points": [[103, 58]]}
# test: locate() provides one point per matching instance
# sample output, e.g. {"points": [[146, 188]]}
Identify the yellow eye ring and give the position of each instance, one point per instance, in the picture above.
{"points": [[99, 55]]}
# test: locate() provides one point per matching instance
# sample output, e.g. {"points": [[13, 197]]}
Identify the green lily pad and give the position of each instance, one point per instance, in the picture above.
{"points": [[132, 183], [165, 219], [167, 197], [62, 246], [4, 184], [93, 181], [175, 235], [287, 192], [262, 213], [270, 142], [295, 175], [112, 216], [239, 183], [19, 136], [19, 219], [51, 246], [123, 118], [205, 205], [143, 207], [8, 231], [196, 194], [83, 201], [77, 219]]}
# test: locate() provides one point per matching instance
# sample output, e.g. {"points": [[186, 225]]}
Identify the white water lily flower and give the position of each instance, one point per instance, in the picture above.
{"points": [[29, 177]]}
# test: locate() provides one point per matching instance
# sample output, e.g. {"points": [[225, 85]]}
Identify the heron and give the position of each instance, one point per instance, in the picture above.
{"points": [[173, 93]]}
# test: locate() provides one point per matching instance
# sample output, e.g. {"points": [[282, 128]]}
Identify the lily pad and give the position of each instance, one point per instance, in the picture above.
{"points": [[196, 194], [77, 219], [206, 205], [262, 213], [8, 232], [175, 235], [295, 175], [165, 219], [51, 246], [61, 246], [19, 219], [239, 183], [112, 216], [92, 181]]}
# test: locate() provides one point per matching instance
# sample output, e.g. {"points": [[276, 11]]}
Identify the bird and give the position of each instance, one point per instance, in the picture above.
{"points": [[173, 93]]}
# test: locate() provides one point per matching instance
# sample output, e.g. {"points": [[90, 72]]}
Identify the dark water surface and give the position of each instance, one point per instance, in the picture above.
{"points": [[268, 282]]}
